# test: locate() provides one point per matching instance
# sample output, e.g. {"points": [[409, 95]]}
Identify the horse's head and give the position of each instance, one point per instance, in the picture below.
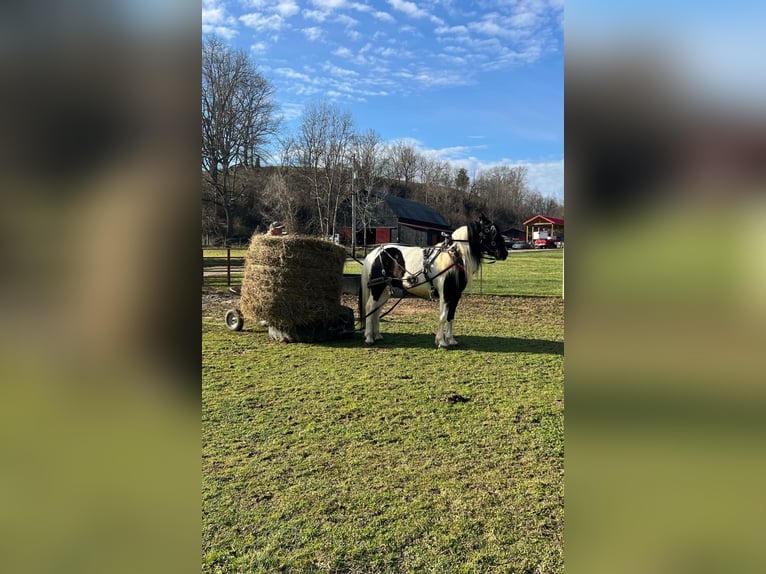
{"points": [[492, 242]]}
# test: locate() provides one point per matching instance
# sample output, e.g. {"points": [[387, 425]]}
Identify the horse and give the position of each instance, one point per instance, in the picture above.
{"points": [[444, 270]]}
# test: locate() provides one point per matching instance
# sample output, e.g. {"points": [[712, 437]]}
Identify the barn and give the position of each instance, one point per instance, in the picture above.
{"points": [[513, 234], [398, 220]]}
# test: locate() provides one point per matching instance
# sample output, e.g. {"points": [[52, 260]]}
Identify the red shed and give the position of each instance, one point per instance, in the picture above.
{"points": [[545, 231]]}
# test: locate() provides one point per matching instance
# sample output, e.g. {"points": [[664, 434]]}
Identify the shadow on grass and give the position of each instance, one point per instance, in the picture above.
{"points": [[466, 343]]}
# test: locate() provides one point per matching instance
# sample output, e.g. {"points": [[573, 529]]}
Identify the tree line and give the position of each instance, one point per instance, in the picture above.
{"points": [[317, 175]]}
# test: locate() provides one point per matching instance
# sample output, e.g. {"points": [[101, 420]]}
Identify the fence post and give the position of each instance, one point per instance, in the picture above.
{"points": [[228, 266]]}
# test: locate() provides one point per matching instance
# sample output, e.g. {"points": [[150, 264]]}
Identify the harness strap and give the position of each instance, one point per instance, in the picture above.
{"points": [[456, 262]]}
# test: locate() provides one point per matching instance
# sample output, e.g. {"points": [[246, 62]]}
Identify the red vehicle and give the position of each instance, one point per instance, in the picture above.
{"points": [[542, 240]]}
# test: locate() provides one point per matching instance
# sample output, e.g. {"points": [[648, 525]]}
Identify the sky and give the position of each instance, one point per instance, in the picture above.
{"points": [[477, 84]]}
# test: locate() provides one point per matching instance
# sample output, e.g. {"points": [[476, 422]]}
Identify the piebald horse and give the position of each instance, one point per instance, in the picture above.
{"points": [[443, 270]]}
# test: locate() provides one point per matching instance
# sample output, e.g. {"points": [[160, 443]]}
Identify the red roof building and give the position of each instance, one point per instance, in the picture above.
{"points": [[551, 228]]}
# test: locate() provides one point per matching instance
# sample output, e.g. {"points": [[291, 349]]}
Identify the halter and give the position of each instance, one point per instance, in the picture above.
{"points": [[487, 231]]}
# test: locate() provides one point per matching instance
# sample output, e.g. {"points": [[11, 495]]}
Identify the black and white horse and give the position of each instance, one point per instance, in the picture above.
{"points": [[443, 271]]}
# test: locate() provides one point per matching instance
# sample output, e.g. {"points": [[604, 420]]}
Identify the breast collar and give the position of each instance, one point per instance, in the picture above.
{"points": [[429, 257]]}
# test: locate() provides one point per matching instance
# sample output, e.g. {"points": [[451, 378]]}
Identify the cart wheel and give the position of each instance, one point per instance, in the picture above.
{"points": [[234, 320]]}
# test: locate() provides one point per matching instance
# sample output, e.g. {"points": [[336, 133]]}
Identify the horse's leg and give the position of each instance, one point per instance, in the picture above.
{"points": [[368, 322], [376, 300], [451, 306], [372, 323], [441, 330], [453, 289]]}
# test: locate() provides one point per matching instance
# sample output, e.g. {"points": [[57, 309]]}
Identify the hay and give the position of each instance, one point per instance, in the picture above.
{"points": [[292, 282]]}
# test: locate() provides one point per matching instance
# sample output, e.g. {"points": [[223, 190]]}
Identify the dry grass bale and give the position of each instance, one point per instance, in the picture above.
{"points": [[292, 281]]}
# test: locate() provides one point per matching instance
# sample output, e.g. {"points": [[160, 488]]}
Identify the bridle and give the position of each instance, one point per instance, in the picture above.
{"points": [[488, 232]]}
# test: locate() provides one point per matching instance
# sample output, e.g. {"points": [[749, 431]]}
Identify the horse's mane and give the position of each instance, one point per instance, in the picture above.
{"points": [[467, 241]]}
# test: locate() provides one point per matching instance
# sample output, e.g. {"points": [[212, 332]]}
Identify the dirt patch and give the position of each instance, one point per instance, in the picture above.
{"points": [[453, 398], [215, 302]]}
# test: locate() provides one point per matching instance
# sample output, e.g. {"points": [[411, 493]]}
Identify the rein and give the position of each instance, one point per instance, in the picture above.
{"points": [[412, 275], [440, 248]]}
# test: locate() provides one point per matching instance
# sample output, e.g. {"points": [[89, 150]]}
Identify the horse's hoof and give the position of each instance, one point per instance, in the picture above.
{"points": [[369, 342]]}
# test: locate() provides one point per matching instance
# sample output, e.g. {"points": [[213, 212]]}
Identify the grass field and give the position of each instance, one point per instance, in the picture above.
{"points": [[400, 457], [529, 273]]}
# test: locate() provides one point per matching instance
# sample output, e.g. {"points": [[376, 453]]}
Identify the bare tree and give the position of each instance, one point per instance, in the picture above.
{"points": [[369, 166], [321, 152], [504, 191], [238, 121], [540, 204], [402, 162], [435, 177]]}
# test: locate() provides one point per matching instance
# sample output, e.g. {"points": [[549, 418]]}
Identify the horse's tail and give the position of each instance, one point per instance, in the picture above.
{"points": [[364, 292], [361, 303]]}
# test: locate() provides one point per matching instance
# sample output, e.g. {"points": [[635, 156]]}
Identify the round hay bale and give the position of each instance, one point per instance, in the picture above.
{"points": [[293, 282]]}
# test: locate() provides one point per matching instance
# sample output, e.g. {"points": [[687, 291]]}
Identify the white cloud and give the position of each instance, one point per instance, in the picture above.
{"points": [[343, 52], [489, 26], [316, 15], [221, 31], [459, 30], [347, 21], [212, 13], [286, 8], [313, 33], [359, 7], [291, 111], [452, 153], [259, 22], [334, 70], [216, 20], [329, 5], [546, 177], [433, 78], [292, 74], [524, 19], [409, 8], [308, 90], [384, 17], [259, 48]]}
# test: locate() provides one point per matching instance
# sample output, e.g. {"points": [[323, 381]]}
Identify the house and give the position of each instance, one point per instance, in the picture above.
{"points": [[545, 228], [398, 220], [513, 234]]}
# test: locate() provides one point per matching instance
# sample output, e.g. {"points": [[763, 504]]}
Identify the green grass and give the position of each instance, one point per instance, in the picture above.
{"points": [[235, 252], [339, 457], [528, 273]]}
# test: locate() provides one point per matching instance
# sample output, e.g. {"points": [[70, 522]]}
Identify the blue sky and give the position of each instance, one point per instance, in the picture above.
{"points": [[476, 83]]}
